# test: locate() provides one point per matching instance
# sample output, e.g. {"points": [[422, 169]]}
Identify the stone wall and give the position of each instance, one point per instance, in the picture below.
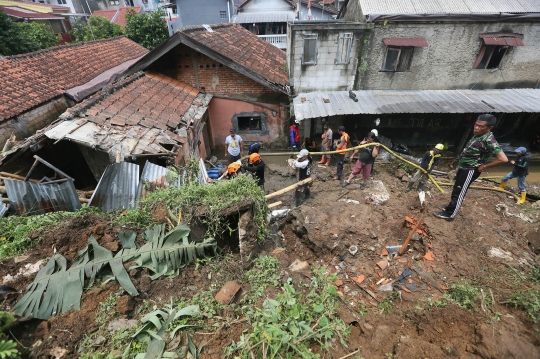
{"points": [[447, 63], [28, 123], [325, 75]]}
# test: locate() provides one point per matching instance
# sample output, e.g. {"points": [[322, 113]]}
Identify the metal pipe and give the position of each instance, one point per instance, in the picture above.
{"points": [[56, 181], [52, 167]]}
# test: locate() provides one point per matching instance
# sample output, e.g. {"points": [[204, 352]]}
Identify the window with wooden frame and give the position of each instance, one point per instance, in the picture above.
{"points": [[343, 54], [398, 59], [490, 57], [309, 49]]}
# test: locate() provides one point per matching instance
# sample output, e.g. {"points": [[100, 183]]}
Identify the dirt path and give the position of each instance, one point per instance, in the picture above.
{"points": [[483, 245]]}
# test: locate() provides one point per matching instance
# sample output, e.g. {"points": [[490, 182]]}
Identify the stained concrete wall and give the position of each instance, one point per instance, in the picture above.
{"points": [[26, 124], [448, 60], [326, 75]]}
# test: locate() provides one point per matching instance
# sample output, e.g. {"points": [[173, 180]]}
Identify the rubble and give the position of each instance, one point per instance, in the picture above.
{"points": [[228, 292]]}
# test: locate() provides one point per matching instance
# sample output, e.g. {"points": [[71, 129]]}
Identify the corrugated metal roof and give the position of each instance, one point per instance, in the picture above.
{"points": [[405, 41], [502, 39], [117, 187], [270, 16], [156, 176], [35, 198], [3, 207], [370, 7], [429, 101]]}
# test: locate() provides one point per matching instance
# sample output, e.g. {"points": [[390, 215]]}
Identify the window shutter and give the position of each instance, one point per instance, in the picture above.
{"points": [[480, 56]]}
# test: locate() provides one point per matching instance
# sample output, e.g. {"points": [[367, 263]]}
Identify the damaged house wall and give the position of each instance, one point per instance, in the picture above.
{"points": [[447, 62], [334, 66]]}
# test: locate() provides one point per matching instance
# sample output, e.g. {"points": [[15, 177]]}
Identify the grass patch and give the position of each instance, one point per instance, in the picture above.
{"points": [[529, 301], [261, 276], [15, 230], [288, 326]]}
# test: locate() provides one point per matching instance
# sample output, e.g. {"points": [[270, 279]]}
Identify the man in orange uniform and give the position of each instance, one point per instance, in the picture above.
{"points": [[341, 145]]}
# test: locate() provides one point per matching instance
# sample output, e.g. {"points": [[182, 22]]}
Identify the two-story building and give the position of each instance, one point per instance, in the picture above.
{"points": [[424, 70]]}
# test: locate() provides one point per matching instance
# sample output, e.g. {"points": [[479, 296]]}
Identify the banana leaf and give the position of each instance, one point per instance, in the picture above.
{"points": [[57, 289]]}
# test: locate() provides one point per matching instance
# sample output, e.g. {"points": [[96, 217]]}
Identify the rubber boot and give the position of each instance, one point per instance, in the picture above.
{"points": [[523, 195], [503, 185], [420, 187], [409, 186], [323, 160], [328, 161]]}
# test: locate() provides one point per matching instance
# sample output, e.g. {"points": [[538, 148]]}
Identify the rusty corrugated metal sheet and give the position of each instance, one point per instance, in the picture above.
{"points": [[202, 175], [502, 39], [155, 176], [3, 207], [405, 41], [117, 187], [35, 198]]}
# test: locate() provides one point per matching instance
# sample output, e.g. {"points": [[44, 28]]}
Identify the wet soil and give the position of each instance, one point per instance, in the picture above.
{"points": [[321, 232]]}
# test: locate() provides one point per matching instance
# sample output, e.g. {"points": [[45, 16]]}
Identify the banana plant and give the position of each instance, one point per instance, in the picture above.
{"points": [[57, 289]]}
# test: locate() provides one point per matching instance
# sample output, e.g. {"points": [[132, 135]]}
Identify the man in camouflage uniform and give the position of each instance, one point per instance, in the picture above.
{"points": [[472, 162]]}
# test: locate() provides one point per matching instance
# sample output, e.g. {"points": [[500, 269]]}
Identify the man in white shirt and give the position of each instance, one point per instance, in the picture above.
{"points": [[235, 149]]}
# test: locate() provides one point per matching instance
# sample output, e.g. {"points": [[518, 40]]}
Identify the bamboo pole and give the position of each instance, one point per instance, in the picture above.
{"points": [[275, 204], [287, 189]]}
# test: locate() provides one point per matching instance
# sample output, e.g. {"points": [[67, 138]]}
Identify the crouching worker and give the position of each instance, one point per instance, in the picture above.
{"points": [[302, 164], [233, 170], [520, 171], [365, 162], [256, 166], [430, 159]]}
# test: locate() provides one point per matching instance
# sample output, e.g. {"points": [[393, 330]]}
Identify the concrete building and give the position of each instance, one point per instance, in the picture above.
{"points": [[430, 50], [323, 55], [319, 10], [196, 12]]}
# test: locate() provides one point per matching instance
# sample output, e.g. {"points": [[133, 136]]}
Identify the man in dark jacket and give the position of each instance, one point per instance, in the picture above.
{"points": [[256, 166], [429, 160], [520, 171], [294, 137]]}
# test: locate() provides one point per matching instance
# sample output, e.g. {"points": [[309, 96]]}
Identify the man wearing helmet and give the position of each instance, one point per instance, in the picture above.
{"points": [[256, 166], [429, 160], [303, 165], [233, 170]]}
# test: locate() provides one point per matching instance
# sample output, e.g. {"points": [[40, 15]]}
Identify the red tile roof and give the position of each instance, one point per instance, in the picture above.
{"points": [[109, 14], [29, 80], [117, 16], [244, 48], [152, 100], [22, 13]]}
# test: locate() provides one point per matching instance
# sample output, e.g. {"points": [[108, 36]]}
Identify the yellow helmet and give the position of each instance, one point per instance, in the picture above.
{"points": [[233, 168], [439, 146]]}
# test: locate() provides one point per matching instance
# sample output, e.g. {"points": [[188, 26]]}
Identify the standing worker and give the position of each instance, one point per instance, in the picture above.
{"points": [[294, 137], [472, 162], [341, 146], [235, 148], [430, 159], [520, 171], [254, 148], [326, 143], [256, 166], [303, 165], [365, 162]]}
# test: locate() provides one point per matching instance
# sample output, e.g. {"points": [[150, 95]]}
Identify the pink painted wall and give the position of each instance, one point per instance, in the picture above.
{"points": [[221, 112]]}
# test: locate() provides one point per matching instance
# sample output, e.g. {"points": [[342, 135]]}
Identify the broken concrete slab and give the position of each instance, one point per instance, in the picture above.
{"points": [[122, 324], [228, 292], [377, 192]]}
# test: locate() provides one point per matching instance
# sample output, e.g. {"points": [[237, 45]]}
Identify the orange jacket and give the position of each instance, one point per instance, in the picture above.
{"points": [[344, 141]]}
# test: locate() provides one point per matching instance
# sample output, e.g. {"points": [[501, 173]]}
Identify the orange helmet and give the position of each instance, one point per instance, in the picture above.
{"points": [[233, 168], [254, 158]]}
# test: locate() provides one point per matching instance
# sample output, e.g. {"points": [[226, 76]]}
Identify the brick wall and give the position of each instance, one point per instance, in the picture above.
{"points": [[28, 123], [212, 76]]}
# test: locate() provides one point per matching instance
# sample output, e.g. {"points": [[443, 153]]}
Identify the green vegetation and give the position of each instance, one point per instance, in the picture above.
{"points": [[146, 30], [98, 27], [286, 327], [162, 254], [407, 167], [8, 348], [262, 275], [463, 294], [387, 304], [16, 230], [21, 37], [208, 202], [529, 301]]}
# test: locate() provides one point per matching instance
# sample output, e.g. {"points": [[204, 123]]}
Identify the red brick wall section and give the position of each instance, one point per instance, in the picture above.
{"points": [[214, 77]]}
